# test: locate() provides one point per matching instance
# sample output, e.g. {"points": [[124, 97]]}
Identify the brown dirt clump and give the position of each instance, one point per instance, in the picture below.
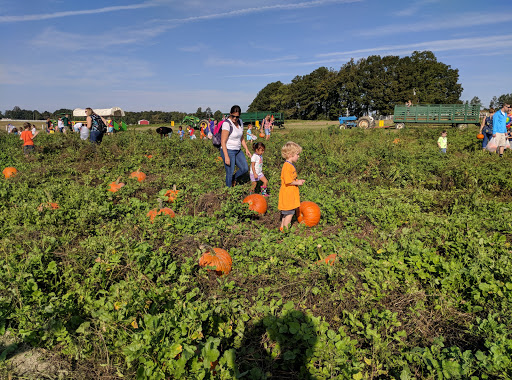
{"points": [[210, 202]]}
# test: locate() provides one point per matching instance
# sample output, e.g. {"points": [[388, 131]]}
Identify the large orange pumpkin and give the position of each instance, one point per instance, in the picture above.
{"points": [[166, 210], [309, 213], [219, 259], [257, 202], [140, 176], [262, 134], [480, 136], [115, 186], [9, 172]]}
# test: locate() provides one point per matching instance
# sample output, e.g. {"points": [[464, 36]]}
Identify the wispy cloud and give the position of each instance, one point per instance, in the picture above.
{"points": [[259, 75], [39, 17], [245, 11], [452, 22], [216, 61], [414, 7], [504, 42]]}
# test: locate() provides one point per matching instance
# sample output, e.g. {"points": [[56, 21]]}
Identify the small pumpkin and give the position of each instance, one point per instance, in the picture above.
{"points": [[219, 159], [262, 134], [115, 186], [150, 156], [257, 202], [49, 205], [9, 172], [396, 141], [480, 136], [309, 213], [166, 211], [330, 259], [140, 176], [219, 259], [171, 194]]}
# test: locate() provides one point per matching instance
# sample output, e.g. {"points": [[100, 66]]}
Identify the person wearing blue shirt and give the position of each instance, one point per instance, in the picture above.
{"points": [[499, 127]]}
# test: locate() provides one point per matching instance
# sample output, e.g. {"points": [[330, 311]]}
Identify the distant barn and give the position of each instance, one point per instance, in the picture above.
{"points": [[143, 122]]}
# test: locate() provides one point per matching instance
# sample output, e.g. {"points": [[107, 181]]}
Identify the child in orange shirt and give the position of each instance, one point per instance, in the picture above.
{"points": [[26, 137], [289, 198]]}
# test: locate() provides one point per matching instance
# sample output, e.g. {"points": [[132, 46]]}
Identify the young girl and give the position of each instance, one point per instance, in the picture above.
{"points": [[250, 136], [256, 172], [181, 132], [27, 138]]}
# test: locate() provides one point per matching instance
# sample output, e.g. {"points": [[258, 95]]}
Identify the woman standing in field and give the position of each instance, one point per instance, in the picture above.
{"points": [[486, 128], [94, 122], [231, 141]]}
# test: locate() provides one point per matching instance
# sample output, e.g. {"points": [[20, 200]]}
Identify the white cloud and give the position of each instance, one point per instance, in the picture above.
{"points": [[216, 61], [490, 43], [450, 22], [414, 7], [39, 17]]}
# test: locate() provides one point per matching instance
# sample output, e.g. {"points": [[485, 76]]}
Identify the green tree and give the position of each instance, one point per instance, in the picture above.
{"points": [[475, 100], [505, 98], [263, 100], [218, 115]]}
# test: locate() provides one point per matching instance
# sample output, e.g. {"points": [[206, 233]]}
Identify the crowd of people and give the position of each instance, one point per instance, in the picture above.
{"points": [[496, 131]]}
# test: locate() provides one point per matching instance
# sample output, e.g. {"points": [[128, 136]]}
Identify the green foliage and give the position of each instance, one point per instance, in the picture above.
{"points": [[421, 287], [371, 85]]}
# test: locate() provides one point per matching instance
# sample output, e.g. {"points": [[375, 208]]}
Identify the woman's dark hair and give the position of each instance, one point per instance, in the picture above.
{"points": [[235, 109], [258, 145]]}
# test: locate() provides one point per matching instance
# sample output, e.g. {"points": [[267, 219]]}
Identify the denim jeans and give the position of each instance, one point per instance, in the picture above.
{"points": [[96, 136], [236, 157], [486, 139]]}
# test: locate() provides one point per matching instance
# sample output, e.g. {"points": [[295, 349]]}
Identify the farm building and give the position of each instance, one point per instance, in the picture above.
{"points": [[143, 122]]}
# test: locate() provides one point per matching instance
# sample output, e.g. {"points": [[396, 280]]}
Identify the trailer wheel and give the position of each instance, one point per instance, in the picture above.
{"points": [[343, 126], [400, 126], [365, 122], [462, 126]]}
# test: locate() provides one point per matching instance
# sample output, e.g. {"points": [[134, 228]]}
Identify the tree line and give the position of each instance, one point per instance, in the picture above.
{"points": [[372, 85], [154, 117]]}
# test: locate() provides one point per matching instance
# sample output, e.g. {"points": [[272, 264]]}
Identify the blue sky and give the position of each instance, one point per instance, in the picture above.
{"points": [[180, 55]]}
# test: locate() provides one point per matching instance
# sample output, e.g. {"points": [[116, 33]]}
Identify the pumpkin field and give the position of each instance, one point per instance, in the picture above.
{"points": [[407, 274]]}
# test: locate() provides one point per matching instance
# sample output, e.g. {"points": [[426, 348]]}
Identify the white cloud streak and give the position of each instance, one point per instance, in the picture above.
{"points": [[490, 43], [453, 22], [40, 17], [415, 7]]}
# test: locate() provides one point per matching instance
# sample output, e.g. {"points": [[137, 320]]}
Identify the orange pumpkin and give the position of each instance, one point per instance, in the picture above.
{"points": [[140, 176], [262, 134], [396, 141], [115, 186], [330, 260], [309, 213], [219, 259], [9, 172], [257, 202], [480, 136], [171, 194], [52, 205], [150, 156], [166, 211]]}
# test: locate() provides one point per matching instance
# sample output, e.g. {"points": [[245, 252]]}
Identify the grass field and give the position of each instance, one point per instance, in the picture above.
{"points": [[420, 288]]}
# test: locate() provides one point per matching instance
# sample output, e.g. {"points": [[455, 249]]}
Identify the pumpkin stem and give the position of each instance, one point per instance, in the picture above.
{"points": [[320, 252], [159, 202], [48, 196], [117, 180], [174, 187]]}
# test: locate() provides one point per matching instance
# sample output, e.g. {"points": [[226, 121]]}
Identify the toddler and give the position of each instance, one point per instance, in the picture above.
{"points": [[27, 138], [289, 198], [442, 142], [256, 172], [181, 132]]}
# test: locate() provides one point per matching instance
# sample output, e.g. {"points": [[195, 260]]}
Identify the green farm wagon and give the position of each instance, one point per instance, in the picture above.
{"points": [[457, 115]]}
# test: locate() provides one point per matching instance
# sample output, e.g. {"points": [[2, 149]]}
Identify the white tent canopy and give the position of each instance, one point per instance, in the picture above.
{"points": [[105, 112]]}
